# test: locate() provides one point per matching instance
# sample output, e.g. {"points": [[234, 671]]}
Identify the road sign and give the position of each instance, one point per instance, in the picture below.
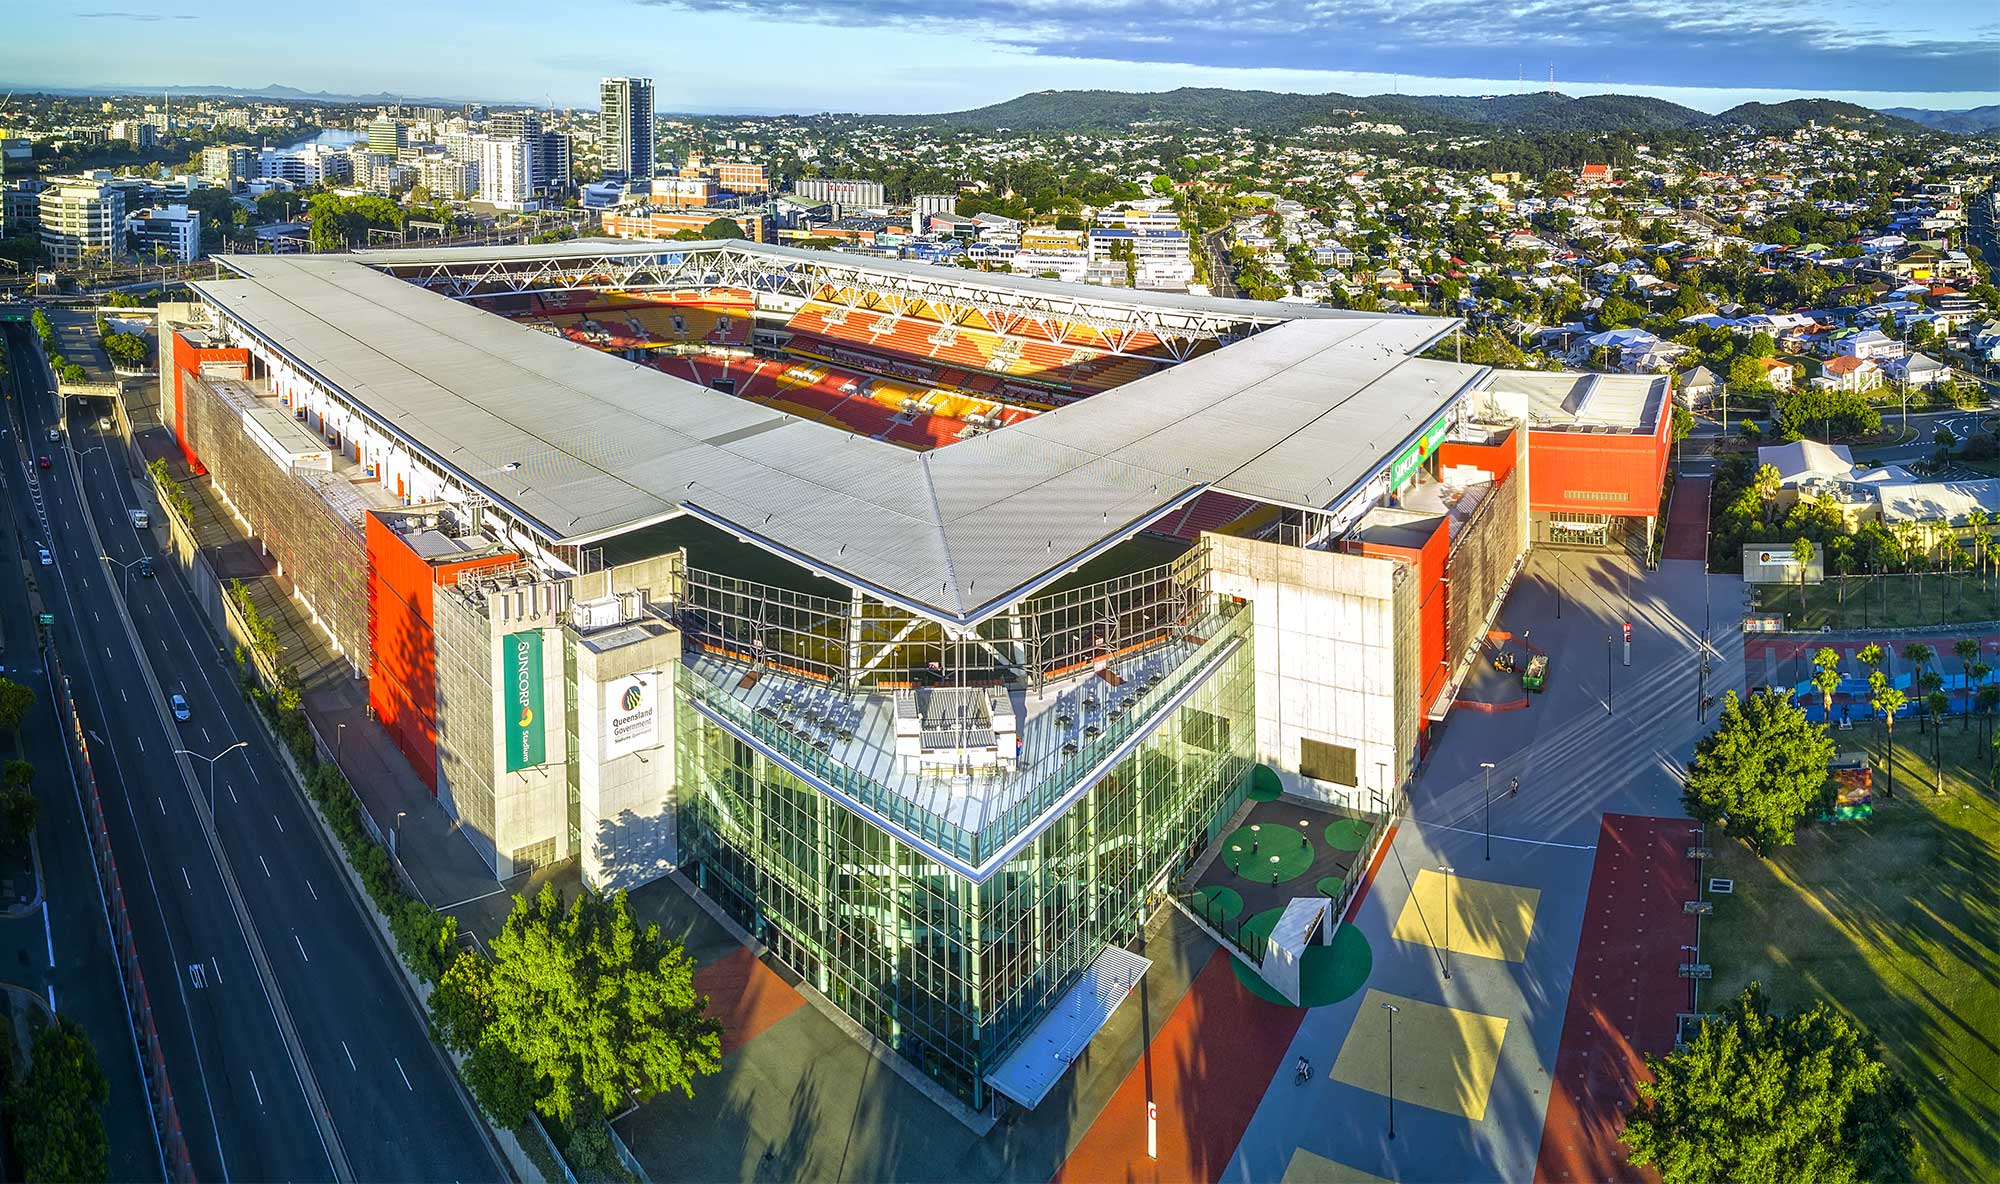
{"points": [[46, 619]]}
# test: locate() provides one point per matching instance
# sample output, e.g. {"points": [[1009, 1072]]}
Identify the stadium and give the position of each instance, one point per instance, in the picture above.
{"points": [[935, 624]]}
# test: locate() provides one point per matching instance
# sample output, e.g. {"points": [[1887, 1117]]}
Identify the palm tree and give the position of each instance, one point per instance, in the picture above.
{"points": [[1887, 701], [1918, 654], [1766, 482], [1826, 678], [1978, 520], [1802, 557], [1967, 650]]}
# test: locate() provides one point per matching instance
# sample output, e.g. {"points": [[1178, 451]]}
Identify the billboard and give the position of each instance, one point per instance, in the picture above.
{"points": [[631, 713], [521, 700], [1767, 563]]}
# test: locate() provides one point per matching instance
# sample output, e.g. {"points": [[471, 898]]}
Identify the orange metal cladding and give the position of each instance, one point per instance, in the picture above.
{"points": [[1560, 463], [1428, 560], [402, 661], [1497, 459], [189, 360]]}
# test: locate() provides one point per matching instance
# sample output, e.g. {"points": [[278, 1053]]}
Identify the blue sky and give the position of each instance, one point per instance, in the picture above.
{"points": [[934, 55]]}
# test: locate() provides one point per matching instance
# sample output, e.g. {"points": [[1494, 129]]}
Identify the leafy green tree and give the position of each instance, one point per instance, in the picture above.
{"points": [[722, 228], [1760, 770], [1756, 1098], [58, 1128], [1802, 557], [588, 1008], [1766, 482], [15, 703]]}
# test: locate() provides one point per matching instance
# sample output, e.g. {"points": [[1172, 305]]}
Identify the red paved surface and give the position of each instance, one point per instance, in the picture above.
{"points": [[1624, 995], [1687, 521], [745, 995], [1207, 1069]]}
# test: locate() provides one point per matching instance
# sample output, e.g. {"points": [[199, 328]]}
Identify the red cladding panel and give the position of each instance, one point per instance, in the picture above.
{"points": [[1497, 459], [1428, 560], [189, 359], [402, 660], [1597, 474]]}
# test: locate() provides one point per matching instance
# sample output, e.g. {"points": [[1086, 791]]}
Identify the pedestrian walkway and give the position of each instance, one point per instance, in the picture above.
{"points": [[1624, 996], [1687, 520], [1205, 1072]]}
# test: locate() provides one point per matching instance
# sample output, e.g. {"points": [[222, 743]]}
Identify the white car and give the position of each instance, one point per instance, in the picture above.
{"points": [[180, 706], [54, 435], [47, 559]]}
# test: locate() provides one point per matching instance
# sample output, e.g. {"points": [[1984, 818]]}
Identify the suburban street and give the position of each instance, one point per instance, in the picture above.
{"points": [[291, 1042]]}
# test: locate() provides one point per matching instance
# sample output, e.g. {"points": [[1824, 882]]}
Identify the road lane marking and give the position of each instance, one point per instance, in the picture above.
{"points": [[403, 1075], [215, 968], [349, 1055], [254, 1089], [185, 880], [309, 888], [163, 806], [122, 697], [265, 866], [47, 934], [52, 996], [301, 945], [232, 794], [281, 826]]}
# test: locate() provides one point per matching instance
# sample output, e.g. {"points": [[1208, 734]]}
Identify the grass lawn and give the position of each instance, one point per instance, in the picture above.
{"points": [[1893, 601], [1895, 920]]}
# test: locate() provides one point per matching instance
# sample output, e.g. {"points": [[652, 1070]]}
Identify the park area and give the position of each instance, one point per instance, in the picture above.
{"points": [[1895, 600], [1894, 919]]}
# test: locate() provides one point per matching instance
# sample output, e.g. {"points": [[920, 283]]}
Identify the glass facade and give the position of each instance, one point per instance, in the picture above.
{"points": [[949, 970]]}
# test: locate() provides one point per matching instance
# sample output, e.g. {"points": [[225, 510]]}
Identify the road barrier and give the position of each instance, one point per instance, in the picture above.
{"points": [[152, 1058]]}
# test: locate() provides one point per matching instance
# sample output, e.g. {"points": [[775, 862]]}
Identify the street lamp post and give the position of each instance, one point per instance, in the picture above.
{"points": [[1559, 586], [1392, 1009], [124, 571], [1694, 984], [396, 835], [1449, 884], [1610, 664], [1487, 796], [211, 767], [339, 734]]}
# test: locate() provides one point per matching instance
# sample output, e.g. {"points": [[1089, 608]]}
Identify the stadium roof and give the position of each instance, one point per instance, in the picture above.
{"points": [[1559, 400], [585, 446], [778, 256]]}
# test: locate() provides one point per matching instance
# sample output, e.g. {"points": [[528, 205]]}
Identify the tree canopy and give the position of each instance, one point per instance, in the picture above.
{"points": [[578, 1008], [15, 703], [58, 1127], [1760, 770], [1760, 1099]]}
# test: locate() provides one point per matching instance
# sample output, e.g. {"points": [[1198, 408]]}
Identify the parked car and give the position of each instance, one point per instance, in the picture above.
{"points": [[180, 706]]}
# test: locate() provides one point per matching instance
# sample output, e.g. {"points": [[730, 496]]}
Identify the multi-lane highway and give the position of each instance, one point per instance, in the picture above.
{"points": [[294, 1048]]}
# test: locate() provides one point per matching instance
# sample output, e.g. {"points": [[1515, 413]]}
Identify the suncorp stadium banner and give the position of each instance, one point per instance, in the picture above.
{"points": [[631, 713], [521, 700]]}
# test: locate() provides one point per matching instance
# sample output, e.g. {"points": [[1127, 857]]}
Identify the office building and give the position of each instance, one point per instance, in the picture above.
{"points": [[625, 131], [228, 165], [388, 136], [82, 219], [507, 173], [170, 232]]}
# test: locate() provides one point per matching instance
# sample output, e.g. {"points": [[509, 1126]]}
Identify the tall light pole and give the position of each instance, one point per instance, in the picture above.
{"points": [[211, 767], [1693, 952], [1610, 663], [124, 571], [1393, 1010], [1487, 796], [396, 835], [1449, 884]]}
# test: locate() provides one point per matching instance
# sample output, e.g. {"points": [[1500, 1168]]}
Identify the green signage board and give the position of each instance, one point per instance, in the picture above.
{"points": [[521, 700], [46, 619], [1420, 449]]}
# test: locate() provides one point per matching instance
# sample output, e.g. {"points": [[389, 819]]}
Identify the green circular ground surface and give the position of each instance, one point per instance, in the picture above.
{"points": [[1257, 930], [1347, 835], [1264, 784], [1220, 902], [1330, 973], [1330, 886], [1254, 852]]}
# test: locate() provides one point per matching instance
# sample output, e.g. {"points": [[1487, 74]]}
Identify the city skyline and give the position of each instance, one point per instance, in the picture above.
{"points": [[903, 56]]}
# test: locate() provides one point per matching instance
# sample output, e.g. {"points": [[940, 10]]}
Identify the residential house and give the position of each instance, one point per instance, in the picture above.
{"points": [[1851, 374]]}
